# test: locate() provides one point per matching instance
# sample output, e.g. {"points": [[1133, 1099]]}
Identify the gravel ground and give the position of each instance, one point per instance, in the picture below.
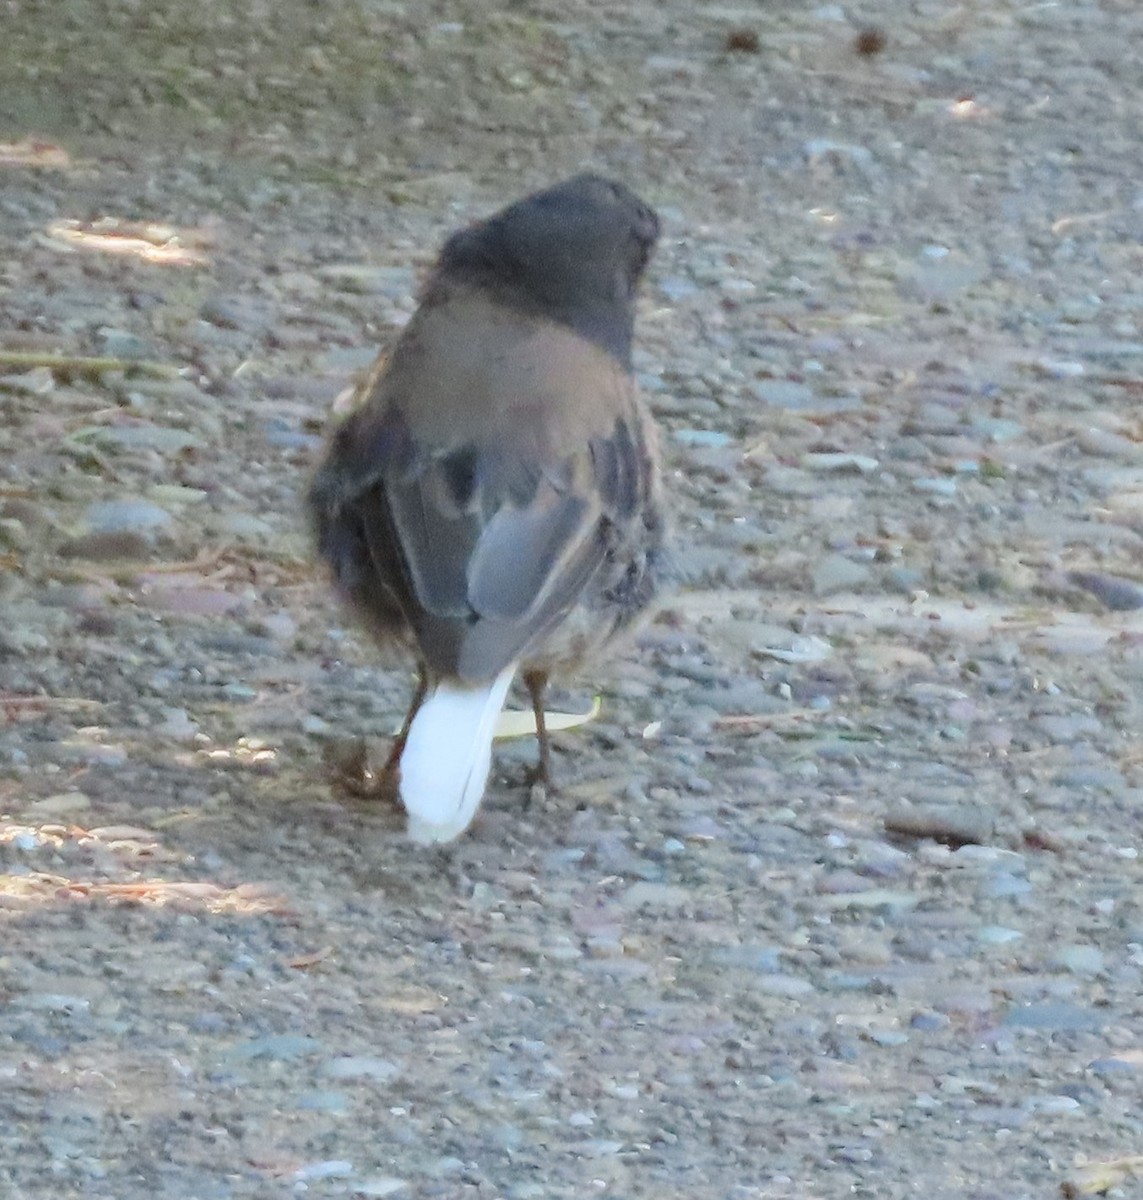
{"points": [[841, 894]]}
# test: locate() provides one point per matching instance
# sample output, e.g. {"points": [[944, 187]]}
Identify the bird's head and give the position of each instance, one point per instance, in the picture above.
{"points": [[574, 252]]}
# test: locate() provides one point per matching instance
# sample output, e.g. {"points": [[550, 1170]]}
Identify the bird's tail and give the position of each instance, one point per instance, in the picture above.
{"points": [[446, 759]]}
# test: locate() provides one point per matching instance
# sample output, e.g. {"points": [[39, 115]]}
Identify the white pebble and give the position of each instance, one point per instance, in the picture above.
{"points": [[335, 1168]]}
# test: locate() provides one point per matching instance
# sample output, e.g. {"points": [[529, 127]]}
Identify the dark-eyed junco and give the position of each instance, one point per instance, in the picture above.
{"points": [[494, 501]]}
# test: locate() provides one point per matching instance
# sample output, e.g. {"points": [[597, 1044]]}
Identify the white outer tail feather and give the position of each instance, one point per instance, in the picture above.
{"points": [[447, 756]]}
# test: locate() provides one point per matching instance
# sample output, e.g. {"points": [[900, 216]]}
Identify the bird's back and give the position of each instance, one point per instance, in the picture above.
{"points": [[498, 474]]}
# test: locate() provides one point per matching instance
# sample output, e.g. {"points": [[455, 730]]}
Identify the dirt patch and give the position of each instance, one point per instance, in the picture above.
{"points": [[841, 894]]}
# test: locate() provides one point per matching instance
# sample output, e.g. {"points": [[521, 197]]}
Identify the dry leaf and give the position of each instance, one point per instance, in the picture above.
{"points": [[515, 723], [1097, 1178], [303, 962], [32, 152]]}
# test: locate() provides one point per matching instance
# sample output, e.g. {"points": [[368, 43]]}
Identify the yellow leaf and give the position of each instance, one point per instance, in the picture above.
{"points": [[1100, 1177], [516, 724]]}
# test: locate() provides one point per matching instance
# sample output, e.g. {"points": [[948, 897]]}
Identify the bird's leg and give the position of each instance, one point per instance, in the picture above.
{"points": [[398, 747], [536, 682]]}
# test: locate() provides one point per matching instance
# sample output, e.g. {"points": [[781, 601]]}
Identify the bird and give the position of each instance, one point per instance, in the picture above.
{"points": [[494, 501]]}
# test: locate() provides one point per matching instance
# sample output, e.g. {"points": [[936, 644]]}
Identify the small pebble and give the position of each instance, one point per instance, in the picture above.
{"points": [[1056, 1017], [1003, 886], [126, 516], [858, 463], [817, 149], [58, 805], [888, 1037], [782, 985], [108, 546], [1054, 1106], [997, 429], [331, 1169], [122, 343], [144, 436], [997, 935], [708, 438], [955, 825], [1079, 960], [1113, 1066], [1059, 368], [56, 1002], [938, 487], [333, 1102], [377, 1186], [657, 895], [836, 573], [1118, 593], [785, 393], [872, 899], [379, 1070], [283, 1047]]}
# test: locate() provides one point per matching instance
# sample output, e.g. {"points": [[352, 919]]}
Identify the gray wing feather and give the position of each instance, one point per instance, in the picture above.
{"points": [[518, 557]]}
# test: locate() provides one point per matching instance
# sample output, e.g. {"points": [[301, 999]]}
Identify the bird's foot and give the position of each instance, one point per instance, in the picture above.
{"points": [[348, 765], [540, 784]]}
